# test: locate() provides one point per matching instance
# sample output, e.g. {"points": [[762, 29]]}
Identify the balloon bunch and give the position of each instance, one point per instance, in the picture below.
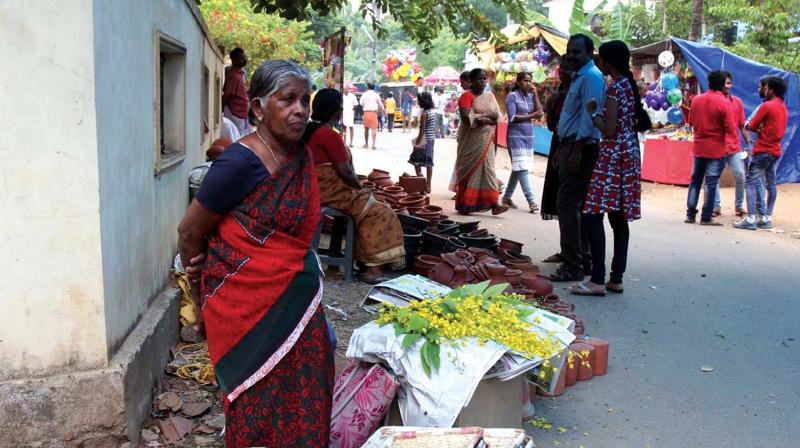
{"points": [[666, 95], [507, 65], [400, 65], [541, 53]]}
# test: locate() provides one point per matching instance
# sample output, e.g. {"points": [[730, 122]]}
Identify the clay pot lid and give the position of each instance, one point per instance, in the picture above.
{"points": [[433, 259], [478, 233]]}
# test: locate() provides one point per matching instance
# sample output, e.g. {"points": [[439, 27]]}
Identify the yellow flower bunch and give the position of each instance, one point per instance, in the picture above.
{"points": [[478, 311]]}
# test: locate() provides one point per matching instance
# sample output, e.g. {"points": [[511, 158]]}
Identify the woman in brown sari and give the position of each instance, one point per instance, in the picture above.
{"points": [[379, 236], [476, 183]]}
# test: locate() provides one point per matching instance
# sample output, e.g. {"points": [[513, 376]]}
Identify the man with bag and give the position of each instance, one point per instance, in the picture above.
{"points": [[577, 154]]}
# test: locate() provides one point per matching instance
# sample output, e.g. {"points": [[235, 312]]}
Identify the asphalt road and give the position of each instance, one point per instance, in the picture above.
{"points": [[694, 296]]}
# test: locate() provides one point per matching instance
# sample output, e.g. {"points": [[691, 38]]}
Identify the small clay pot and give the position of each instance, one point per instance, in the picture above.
{"points": [[426, 262], [466, 227], [413, 222], [514, 277], [393, 189], [376, 173], [412, 210], [508, 254], [369, 184], [383, 181], [478, 233], [584, 373], [433, 208], [400, 210], [600, 366], [413, 200], [442, 273], [459, 276], [429, 215], [509, 244], [495, 269], [447, 222], [454, 244], [398, 195], [523, 266], [389, 199]]}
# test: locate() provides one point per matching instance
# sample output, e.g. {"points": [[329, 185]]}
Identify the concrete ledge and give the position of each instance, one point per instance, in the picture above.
{"points": [[95, 408]]}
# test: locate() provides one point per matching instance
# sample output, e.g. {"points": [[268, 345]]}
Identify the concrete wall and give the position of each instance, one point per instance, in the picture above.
{"points": [[140, 210], [51, 287]]}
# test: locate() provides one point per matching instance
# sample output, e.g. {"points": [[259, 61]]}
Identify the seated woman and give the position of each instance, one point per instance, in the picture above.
{"points": [[379, 237]]}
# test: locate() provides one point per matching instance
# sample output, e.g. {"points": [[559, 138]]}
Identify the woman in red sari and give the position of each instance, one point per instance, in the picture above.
{"points": [[249, 233]]}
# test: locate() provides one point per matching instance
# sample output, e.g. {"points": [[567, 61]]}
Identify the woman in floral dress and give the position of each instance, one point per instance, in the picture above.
{"points": [[615, 187]]}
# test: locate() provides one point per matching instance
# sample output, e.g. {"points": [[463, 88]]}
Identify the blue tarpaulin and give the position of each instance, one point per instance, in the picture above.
{"points": [[746, 74]]}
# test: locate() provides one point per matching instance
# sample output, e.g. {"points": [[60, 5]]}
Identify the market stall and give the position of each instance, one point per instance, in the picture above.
{"points": [[444, 76], [536, 49], [676, 70]]}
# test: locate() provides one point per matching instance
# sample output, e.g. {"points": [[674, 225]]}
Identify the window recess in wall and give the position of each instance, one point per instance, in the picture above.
{"points": [[170, 102]]}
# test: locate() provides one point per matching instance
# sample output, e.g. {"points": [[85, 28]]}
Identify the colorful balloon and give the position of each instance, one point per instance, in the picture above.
{"points": [[652, 86], [675, 115], [674, 96], [669, 81]]}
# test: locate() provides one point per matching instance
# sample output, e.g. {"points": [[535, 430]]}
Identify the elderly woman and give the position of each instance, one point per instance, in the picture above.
{"points": [[249, 232], [379, 236], [476, 183]]}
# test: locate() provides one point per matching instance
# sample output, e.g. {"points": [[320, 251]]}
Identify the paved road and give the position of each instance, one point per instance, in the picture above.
{"points": [[695, 296]]}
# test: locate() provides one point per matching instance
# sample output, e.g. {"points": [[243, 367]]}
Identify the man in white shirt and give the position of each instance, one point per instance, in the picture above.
{"points": [[439, 101], [348, 115], [371, 103]]}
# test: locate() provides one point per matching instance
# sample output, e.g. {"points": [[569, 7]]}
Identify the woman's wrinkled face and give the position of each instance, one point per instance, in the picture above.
{"points": [[285, 113]]}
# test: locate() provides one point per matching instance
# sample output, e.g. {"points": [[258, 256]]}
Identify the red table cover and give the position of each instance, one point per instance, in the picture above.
{"points": [[667, 161]]}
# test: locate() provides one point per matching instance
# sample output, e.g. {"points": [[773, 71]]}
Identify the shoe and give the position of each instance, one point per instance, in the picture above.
{"points": [[746, 224], [764, 224], [533, 207], [508, 202], [740, 212], [716, 212], [563, 274], [710, 222], [689, 221], [555, 258], [498, 209]]}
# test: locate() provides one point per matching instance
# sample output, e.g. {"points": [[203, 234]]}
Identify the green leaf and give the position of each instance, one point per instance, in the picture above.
{"points": [[416, 322], [486, 304], [540, 18], [399, 329], [423, 354], [494, 291], [450, 304], [436, 360], [410, 339], [432, 335], [478, 288]]}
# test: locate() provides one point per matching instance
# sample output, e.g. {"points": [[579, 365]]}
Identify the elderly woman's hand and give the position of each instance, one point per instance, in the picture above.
{"points": [[195, 269]]}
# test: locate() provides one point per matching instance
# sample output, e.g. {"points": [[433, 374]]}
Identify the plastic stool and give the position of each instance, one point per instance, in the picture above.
{"points": [[325, 254]]}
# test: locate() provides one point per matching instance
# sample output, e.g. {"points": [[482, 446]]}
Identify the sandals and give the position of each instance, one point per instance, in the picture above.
{"points": [[509, 202], [616, 288], [533, 207], [498, 209], [582, 289]]}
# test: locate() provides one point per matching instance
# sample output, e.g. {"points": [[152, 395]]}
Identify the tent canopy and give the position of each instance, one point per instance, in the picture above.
{"points": [[443, 75], [517, 33], [746, 75]]}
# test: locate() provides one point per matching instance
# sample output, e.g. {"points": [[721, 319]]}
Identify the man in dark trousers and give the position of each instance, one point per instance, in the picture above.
{"points": [[577, 154], [715, 135]]}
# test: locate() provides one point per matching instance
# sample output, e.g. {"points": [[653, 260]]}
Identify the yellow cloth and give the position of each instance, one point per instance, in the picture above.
{"points": [[187, 314], [391, 106], [311, 102]]}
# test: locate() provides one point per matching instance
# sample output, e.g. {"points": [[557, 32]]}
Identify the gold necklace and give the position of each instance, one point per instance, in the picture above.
{"points": [[268, 147]]}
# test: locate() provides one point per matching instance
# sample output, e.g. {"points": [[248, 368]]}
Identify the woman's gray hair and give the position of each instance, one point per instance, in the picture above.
{"points": [[273, 75]]}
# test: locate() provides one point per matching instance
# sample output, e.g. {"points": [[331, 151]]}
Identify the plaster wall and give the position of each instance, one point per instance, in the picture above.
{"points": [[51, 288], [141, 209]]}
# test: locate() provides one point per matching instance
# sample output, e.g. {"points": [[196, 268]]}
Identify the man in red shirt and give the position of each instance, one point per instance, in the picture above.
{"points": [[734, 160], [711, 118], [770, 124], [235, 102]]}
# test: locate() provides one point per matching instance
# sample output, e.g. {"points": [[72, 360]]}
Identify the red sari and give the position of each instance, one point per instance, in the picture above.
{"points": [[267, 334]]}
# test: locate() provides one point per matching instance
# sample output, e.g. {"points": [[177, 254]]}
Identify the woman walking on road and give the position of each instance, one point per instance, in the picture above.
{"points": [[422, 155], [248, 232], [476, 183], [523, 107], [615, 186]]}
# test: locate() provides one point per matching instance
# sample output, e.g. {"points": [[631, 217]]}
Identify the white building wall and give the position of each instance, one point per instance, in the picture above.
{"points": [[140, 210], [51, 289]]}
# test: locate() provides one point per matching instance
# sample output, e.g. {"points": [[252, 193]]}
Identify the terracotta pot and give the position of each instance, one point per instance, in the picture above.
{"points": [[514, 277], [412, 210], [383, 181], [478, 233], [391, 200], [429, 215], [508, 254], [466, 227], [541, 284], [426, 262], [454, 244], [433, 208], [600, 366], [442, 273], [398, 210], [459, 276], [376, 173], [496, 269], [584, 373], [523, 266], [413, 200], [448, 223], [361, 177], [399, 195], [572, 368], [369, 184], [509, 244], [393, 189]]}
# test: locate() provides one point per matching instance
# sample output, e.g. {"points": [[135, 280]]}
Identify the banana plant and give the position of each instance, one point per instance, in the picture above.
{"points": [[578, 21]]}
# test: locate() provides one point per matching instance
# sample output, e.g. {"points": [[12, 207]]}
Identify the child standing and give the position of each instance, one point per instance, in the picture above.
{"points": [[422, 155]]}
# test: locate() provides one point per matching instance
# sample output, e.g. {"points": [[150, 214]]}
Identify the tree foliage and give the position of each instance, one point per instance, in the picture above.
{"points": [[233, 23]]}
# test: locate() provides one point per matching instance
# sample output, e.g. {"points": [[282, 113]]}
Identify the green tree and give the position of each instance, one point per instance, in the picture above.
{"points": [[233, 23]]}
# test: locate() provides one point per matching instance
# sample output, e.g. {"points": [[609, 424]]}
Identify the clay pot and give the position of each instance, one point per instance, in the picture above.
{"points": [[459, 276], [466, 227], [600, 365], [361, 178], [541, 284], [453, 244], [523, 266], [412, 200], [393, 190], [413, 222], [398, 195], [424, 263], [382, 197], [433, 243], [584, 373], [442, 273], [572, 369], [383, 181], [509, 244], [412, 210], [447, 230], [448, 223], [369, 184], [424, 214], [508, 254], [433, 208], [496, 269], [514, 277], [400, 210], [378, 174], [478, 233]]}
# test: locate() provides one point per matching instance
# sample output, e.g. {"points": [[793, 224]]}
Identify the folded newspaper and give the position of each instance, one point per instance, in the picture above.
{"points": [[401, 291]]}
